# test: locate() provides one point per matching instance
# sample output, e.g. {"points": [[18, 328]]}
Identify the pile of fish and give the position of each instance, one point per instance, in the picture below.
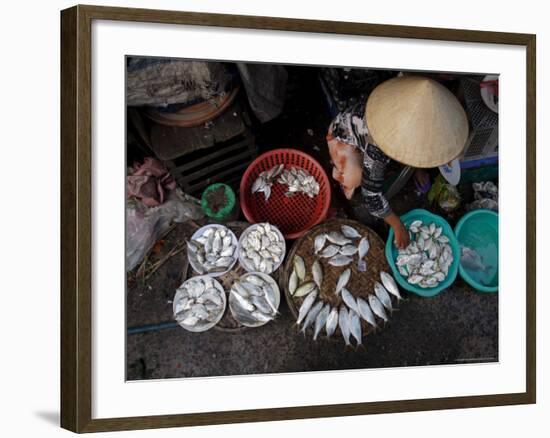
{"points": [[262, 248], [342, 247], [426, 260], [198, 303], [322, 316], [253, 300], [265, 180], [214, 250], [299, 181]]}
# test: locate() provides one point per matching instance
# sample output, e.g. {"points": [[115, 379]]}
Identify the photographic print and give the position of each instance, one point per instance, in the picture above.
{"points": [[297, 218]]}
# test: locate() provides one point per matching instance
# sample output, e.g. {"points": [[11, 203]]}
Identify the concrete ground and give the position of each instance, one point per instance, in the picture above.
{"points": [[455, 327]]}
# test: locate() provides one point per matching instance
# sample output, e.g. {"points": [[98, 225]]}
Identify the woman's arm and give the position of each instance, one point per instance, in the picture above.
{"points": [[374, 170]]}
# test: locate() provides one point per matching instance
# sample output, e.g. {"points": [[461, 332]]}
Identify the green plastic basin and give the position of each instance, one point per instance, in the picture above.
{"points": [[391, 253], [479, 230]]}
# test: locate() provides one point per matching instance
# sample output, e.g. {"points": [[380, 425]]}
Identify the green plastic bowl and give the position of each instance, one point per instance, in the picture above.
{"points": [[479, 230], [224, 212], [391, 253]]}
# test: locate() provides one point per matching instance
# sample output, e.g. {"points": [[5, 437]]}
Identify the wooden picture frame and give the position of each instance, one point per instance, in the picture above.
{"points": [[76, 226]]}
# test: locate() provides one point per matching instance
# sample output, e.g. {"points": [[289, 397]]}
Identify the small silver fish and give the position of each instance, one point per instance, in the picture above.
{"points": [[350, 232], [383, 295], [343, 280], [312, 315], [293, 282], [366, 312], [305, 289], [321, 320], [319, 242], [300, 267], [349, 299], [390, 285], [306, 305], [344, 323], [329, 251], [363, 249], [332, 322], [243, 302], [355, 327], [348, 250], [340, 260], [338, 238], [317, 272], [377, 307]]}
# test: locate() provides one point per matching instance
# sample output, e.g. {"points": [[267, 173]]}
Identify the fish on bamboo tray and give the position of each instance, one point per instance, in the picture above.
{"points": [[337, 283]]}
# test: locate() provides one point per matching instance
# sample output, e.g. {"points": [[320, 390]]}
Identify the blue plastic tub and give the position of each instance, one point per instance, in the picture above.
{"points": [[479, 230], [391, 253]]}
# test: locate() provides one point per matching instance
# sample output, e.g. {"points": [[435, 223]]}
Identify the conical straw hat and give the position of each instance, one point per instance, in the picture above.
{"points": [[416, 121]]}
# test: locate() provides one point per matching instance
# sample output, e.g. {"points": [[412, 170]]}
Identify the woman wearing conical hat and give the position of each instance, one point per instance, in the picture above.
{"points": [[411, 119]]}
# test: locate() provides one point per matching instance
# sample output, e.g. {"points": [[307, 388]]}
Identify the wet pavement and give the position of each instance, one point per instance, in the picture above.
{"points": [[457, 326]]}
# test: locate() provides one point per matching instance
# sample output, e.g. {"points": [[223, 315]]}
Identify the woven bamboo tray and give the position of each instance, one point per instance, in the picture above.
{"points": [[228, 323], [361, 284]]}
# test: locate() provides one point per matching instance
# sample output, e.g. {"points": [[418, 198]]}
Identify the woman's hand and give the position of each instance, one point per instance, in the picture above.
{"points": [[402, 238]]}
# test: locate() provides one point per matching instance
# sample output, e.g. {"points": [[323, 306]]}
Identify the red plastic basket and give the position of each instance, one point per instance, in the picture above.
{"points": [[294, 215]]}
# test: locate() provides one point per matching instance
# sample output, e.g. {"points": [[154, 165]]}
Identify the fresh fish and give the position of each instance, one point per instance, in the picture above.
{"points": [[414, 227], [362, 250], [415, 279], [348, 250], [338, 238], [293, 282], [332, 322], [312, 315], [321, 320], [377, 307], [261, 317], [390, 285], [340, 260], [350, 232], [343, 280], [299, 181], [300, 267], [213, 250], [305, 289], [355, 327], [329, 251], [366, 312], [261, 250], [306, 305], [243, 302], [198, 301], [261, 304], [383, 295], [317, 272], [344, 323], [349, 300], [319, 242]]}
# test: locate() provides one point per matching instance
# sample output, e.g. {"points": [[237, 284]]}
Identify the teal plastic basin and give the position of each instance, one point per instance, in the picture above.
{"points": [[391, 253], [479, 230]]}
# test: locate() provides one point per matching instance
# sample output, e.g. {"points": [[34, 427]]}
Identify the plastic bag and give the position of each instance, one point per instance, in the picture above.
{"points": [[146, 225]]}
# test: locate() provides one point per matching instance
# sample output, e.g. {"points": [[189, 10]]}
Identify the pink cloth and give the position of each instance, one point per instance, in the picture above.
{"points": [[149, 182]]}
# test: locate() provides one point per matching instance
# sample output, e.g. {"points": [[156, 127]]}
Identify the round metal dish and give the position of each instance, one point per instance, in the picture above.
{"points": [[199, 233], [244, 235], [276, 297], [201, 327]]}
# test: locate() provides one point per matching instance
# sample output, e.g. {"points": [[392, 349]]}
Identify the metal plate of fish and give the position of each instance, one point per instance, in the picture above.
{"points": [[212, 250], [262, 248], [199, 303], [254, 299]]}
